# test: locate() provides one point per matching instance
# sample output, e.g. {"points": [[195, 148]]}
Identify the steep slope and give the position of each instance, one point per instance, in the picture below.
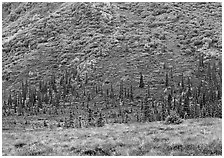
{"points": [[109, 41]]}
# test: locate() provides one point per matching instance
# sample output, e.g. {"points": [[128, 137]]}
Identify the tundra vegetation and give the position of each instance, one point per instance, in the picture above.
{"points": [[111, 79]]}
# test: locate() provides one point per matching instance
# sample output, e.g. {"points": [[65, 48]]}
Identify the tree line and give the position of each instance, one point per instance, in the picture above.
{"points": [[191, 97]]}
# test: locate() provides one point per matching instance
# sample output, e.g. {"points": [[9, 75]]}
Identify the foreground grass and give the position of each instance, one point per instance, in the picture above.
{"points": [[193, 137]]}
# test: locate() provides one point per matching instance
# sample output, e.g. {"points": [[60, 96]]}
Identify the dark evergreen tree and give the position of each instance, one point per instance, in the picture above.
{"points": [[121, 90], [10, 101], [167, 80], [71, 120], [186, 108], [147, 113], [90, 116], [148, 91], [182, 82], [209, 73], [111, 91], [107, 93], [86, 79], [141, 82], [131, 94], [169, 103], [201, 60]]}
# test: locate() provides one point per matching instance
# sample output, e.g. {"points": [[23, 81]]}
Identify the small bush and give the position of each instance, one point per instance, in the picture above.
{"points": [[100, 121], [19, 144], [45, 123], [173, 118]]}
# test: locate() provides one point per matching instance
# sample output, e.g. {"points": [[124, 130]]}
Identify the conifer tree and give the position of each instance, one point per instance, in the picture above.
{"points": [[201, 60], [146, 113], [209, 73], [182, 82], [88, 97], [131, 94], [71, 120], [163, 112], [20, 105], [86, 79], [79, 122], [15, 102], [107, 93], [220, 71], [111, 91], [148, 91], [90, 116], [121, 90], [39, 100], [100, 122], [169, 100], [186, 108], [24, 90], [125, 92], [142, 105], [126, 118], [141, 82], [156, 116], [53, 83], [128, 94], [171, 74], [96, 90], [167, 80], [10, 100]]}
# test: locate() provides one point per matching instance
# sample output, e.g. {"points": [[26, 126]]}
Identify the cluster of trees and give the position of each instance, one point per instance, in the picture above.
{"points": [[191, 97]]}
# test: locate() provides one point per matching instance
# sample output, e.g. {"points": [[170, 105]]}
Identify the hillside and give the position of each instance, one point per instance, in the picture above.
{"points": [[109, 41], [111, 78]]}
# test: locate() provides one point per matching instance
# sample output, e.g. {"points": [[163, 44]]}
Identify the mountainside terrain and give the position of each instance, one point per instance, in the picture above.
{"points": [[109, 41], [111, 78]]}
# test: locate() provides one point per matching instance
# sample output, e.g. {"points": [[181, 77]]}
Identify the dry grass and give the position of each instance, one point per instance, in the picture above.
{"points": [[192, 137]]}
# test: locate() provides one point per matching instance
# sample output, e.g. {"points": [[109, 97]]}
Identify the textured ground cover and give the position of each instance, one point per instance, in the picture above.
{"points": [[109, 41], [192, 137]]}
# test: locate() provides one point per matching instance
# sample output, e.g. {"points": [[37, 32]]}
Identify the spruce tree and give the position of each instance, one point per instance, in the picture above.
{"points": [[201, 60], [111, 91], [121, 90], [169, 100], [167, 80], [10, 101], [148, 91], [71, 120], [86, 79], [209, 73], [182, 82], [141, 82], [131, 94]]}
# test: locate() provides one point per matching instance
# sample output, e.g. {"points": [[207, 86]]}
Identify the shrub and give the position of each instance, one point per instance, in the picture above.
{"points": [[100, 121], [19, 144], [173, 118], [45, 124]]}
